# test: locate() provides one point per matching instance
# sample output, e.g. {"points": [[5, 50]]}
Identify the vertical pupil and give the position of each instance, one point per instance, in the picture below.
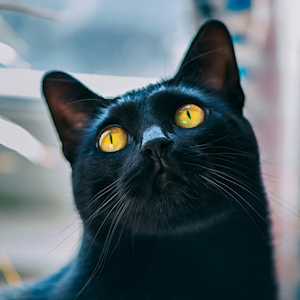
{"points": [[188, 114], [111, 139]]}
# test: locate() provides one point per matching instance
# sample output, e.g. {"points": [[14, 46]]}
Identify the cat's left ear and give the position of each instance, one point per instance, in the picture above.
{"points": [[72, 106], [210, 63]]}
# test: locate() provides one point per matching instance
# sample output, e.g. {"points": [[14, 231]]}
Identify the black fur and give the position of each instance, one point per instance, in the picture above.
{"points": [[182, 216]]}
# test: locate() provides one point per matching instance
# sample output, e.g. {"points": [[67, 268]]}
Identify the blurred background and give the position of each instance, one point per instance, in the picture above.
{"points": [[113, 46]]}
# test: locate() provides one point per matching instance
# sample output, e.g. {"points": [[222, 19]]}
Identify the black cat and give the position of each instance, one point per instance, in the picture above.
{"points": [[167, 182]]}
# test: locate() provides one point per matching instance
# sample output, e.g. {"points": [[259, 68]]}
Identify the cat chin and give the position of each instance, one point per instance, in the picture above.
{"points": [[153, 228], [188, 226], [171, 220]]}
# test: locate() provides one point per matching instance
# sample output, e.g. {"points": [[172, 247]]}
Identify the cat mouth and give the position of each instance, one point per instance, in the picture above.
{"points": [[166, 177]]}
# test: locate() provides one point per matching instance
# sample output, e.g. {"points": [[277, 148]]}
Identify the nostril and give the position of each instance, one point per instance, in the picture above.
{"points": [[156, 147], [147, 150], [165, 143]]}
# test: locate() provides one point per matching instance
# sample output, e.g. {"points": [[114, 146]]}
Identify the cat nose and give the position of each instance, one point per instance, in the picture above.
{"points": [[156, 147], [154, 141]]}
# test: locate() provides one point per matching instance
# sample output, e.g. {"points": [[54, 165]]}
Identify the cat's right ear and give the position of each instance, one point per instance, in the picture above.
{"points": [[72, 106], [210, 63]]}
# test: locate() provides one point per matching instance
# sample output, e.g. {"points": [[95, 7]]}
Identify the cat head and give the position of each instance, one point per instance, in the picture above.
{"points": [[162, 158]]}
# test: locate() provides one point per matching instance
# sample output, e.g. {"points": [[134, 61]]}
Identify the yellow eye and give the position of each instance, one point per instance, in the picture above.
{"points": [[113, 139], [189, 116]]}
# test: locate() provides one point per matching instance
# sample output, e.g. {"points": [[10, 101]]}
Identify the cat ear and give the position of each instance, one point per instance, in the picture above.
{"points": [[71, 105], [210, 63]]}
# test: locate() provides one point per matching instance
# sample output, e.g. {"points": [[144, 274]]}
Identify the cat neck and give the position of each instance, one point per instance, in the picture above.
{"points": [[188, 261]]}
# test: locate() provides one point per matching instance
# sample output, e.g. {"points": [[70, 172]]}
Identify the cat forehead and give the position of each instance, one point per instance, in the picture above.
{"points": [[156, 96]]}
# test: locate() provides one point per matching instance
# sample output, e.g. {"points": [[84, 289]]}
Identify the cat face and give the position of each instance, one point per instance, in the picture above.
{"points": [[163, 158]]}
